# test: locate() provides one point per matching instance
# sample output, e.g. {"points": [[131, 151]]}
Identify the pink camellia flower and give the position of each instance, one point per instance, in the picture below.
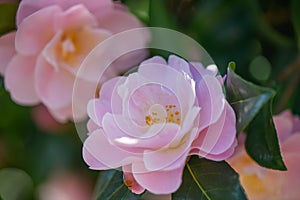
{"points": [[40, 60], [261, 183], [149, 123]]}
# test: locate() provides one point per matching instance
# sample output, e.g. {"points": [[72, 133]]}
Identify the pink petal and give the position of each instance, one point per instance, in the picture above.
{"points": [[159, 139], [179, 64], [99, 154], [96, 109], [155, 60], [92, 126], [75, 17], [170, 157], [117, 20], [158, 182], [163, 75], [219, 157], [135, 140], [218, 137], [291, 145], [19, 80], [131, 183], [290, 179], [284, 127], [36, 30], [211, 100], [7, 50], [62, 115], [53, 87], [28, 7]]}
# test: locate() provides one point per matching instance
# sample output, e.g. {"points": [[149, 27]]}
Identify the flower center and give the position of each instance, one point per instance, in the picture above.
{"points": [[160, 114], [68, 45]]}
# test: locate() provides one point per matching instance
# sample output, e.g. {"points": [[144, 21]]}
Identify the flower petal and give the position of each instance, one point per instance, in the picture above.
{"points": [[7, 50], [28, 7], [158, 182], [218, 137], [19, 80], [75, 17], [211, 100], [36, 30], [99, 154], [117, 20], [53, 87]]}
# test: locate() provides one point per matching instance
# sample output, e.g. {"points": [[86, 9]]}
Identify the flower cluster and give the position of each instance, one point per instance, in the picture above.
{"points": [[150, 122], [40, 60]]}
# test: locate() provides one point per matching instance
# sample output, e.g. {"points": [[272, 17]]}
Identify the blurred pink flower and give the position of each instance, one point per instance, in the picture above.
{"points": [[261, 183], [152, 120], [40, 60], [45, 121], [66, 186]]}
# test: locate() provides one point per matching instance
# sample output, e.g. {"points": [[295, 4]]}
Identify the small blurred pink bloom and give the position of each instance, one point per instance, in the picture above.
{"points": [[261, 183], [41, 59], [45, 121], [152, 120], [66, 186]]}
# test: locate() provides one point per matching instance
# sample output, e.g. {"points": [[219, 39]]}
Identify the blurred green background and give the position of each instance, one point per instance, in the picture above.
{"points": [[261, 36]]}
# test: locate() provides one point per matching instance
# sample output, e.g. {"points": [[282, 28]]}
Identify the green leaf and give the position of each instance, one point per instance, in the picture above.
{"points": [[262, 142], [110, 186], [209, 180], [253, 107], [295, 5], [7, 17]]}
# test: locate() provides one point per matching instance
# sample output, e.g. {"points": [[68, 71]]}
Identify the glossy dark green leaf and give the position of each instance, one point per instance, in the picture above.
{"points": [[7, 17], [253, 107], [262, 142], [208, 180], [110, 186], [295, 5]]}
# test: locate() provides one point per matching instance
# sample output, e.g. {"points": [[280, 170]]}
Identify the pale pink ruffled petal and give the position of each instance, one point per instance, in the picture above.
{"points": [[19, 80], [179, 64], [290, 179], [284, 127], [62, 115], [53, 87], [219, 157], [291, 145], [218, 137], [99, 154], [211, 100], [97, 108], [158, 182], [166, 76], [75, 17], [155, 60], [117, 20], [171, 157], [27, 7], [7, 50], [36, 30], [92, 126], [130, 181]]}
